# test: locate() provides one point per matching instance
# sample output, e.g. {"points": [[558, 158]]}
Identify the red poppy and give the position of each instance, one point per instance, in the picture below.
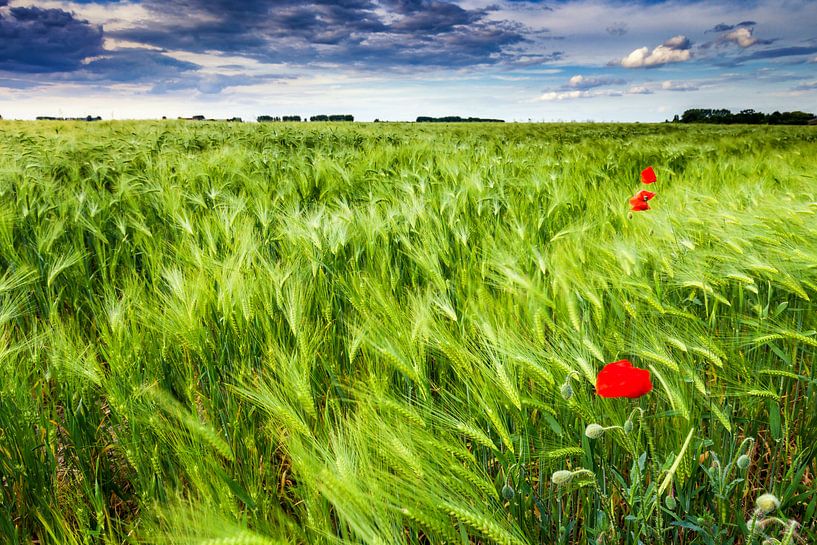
{"points": [[638, 206], [648, 176], [621, 379], [643, 196]]}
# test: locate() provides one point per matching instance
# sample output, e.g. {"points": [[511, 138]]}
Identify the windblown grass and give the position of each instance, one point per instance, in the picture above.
{"points": [[389, 334]]}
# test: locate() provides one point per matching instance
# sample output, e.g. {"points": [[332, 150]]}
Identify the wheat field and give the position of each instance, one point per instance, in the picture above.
{"points": [[390, 333]]}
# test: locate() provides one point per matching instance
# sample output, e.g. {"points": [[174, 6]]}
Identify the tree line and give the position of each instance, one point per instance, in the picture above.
{"points": [[270, 118], [86, 118], [456, 119], [750, 117]]}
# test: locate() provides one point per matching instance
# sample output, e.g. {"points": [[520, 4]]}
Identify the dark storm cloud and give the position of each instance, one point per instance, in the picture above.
{"points": [[45, 40], [209, 84], [17, 83], [361, 33], [777, 53], [791, 55], [134, 66], [431, 16], [382, 35], [617, 29], [723, 27]]}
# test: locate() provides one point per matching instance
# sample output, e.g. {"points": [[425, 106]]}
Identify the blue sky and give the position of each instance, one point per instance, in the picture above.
{"points": [[601, 60]]}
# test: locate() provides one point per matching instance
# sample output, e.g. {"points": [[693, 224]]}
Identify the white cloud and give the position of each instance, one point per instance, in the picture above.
{"points": [[678, 86], [576, 81], [675, 49], [741, 36], [588, 82], [643, 57], [551, 96], [639, 90]]}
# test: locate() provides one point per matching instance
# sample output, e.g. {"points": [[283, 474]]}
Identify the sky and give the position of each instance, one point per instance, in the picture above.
{"points": [[518, 60]]}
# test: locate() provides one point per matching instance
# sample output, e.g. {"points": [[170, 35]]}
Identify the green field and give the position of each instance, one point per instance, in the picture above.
{"points": [[389, 333]]}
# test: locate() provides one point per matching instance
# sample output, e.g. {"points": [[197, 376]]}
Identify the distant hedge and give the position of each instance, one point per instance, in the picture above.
{"points": [[751, 117]]}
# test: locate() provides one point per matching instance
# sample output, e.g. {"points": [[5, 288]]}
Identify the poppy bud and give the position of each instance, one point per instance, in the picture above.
{"points": [[752, 525], [567, 390], [766, 503], [670, 502], [507, 492], [561, 477], [743, 461], [594, 431], [628, 426]]}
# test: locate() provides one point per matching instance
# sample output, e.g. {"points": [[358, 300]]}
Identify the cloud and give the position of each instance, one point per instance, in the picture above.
{"points": [[617, 29], [431, 16], [675, 49], [810, 86], [40, 40], [677, 43], [210, 84], [387, 34], [777, 53], [723, 27], [741, 36], [525, 60], [131, 65], [678, 86], [639, 90], [589, 82], [551, 96]]}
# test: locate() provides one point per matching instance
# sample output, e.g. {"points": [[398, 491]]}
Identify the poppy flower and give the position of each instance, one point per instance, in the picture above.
{"points": [[648, 176], [638, 203], [621, 379], [642, 196]]}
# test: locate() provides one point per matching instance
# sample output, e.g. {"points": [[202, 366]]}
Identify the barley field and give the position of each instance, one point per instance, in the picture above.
{"points": [[387, 334]]}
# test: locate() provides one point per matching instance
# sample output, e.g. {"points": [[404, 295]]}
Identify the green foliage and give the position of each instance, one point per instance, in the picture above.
{"points": [[281, 333]]}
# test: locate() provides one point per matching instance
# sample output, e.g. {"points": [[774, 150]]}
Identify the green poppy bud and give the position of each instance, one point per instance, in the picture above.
{"points": [[766, 503], [628, 426], [507, 492], [561, 477], [670, 502], [567, 390], [752, 525], [594, 431], [743, 461]]}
